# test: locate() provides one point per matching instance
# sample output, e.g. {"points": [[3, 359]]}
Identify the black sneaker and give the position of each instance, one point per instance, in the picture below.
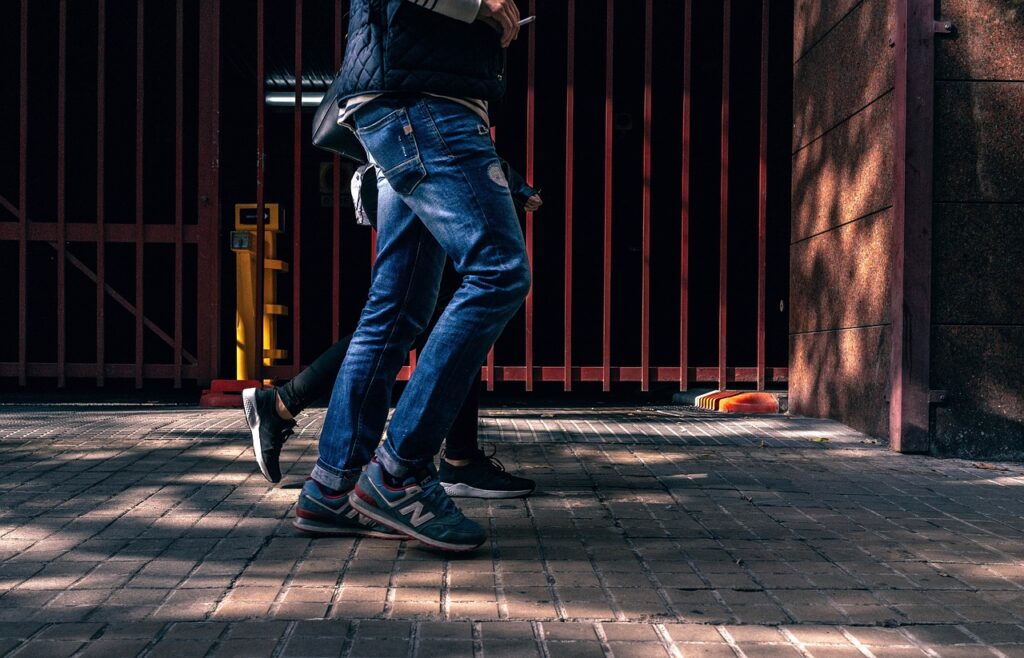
{"points": [[269, 431], [483, 477]]}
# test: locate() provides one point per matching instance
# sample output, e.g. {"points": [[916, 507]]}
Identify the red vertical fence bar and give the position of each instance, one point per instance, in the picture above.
{"points": [[62, 74], [208, 150], [140, 52], [684, 194], [261, 157], [645, 301], [723, 236], [23, 201], [179, 200], [101, 237], [570, 98], [609, 121], [339, 14], [762, 202], [296, 267], [531, 79]]}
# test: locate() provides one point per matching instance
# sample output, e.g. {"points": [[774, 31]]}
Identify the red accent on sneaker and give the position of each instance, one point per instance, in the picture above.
{"points": [[301, 513], [364, 496]]}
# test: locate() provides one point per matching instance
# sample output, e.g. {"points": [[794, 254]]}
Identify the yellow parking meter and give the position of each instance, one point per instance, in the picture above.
{"points": [[243, 243]]}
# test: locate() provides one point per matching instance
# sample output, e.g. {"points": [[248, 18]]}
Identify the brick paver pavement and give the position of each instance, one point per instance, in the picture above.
{"points": [[656, 531]]}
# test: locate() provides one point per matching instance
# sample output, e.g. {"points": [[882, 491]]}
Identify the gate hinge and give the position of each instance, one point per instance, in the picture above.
{"points": [[938, 398]]}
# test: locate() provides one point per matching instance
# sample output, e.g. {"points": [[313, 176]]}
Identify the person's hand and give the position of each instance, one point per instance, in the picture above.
{"points": [[533, 203], [503, 16]]}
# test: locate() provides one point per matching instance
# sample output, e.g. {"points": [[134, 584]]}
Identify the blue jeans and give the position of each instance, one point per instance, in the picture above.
{"points": [[441, 192]]}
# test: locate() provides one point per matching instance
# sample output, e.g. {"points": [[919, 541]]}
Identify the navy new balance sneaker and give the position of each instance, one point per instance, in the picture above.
{"points": [[269, 431], [420, 508], [322, 514], [483, 477]]}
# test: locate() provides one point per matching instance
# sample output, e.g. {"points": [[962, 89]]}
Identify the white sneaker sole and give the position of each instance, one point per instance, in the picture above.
{"points": [[461, 490], [325, 531], [253, 419], [366, 509]]}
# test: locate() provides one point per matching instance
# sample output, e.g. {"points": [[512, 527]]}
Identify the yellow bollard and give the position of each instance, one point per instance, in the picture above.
{"points": [[243, 243]]}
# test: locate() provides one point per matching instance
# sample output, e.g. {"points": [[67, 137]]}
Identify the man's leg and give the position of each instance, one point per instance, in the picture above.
{"points": [[465, 470], [438, 160], [402, 296], [465, 202]]}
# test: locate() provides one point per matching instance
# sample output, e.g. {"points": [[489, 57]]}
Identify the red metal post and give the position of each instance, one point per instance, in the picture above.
{"points": [[762, 202], [723, 236], [609, 137], [261, 157], [23, 201], [297, 140], [531, 79], [62, 74], [570, 98], [909, 414], [208, 149], [645, 300], [140, 234], [101, 238], [684, 193], [179, 200]]}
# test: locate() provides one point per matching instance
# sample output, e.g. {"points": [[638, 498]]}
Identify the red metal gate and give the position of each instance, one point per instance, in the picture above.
{"points": [[659, 131], [108, 228]]}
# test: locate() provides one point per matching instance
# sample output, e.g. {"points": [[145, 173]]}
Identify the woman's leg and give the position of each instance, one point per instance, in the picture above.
{"points": [[316, 380]]}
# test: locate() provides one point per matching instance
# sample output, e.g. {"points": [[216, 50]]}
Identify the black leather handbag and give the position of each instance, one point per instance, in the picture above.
{"points": [[329, 135]]}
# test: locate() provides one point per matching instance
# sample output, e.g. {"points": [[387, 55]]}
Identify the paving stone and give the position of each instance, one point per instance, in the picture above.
{"points": [[772, 650], [313, 647], [380, 648], [245, 648], [51, 648], [510, 648], [69, 632], [453, 630], [105, 648], [178, 648], [569, 631], [437, 648]]}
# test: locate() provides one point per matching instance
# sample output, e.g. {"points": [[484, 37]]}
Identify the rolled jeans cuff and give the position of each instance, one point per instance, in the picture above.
{"points": [[395, 465], [333, 478]]}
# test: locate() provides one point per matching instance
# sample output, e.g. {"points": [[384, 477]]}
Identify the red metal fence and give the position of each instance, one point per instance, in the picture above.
{"points": [[115, 260], [659, 257]]}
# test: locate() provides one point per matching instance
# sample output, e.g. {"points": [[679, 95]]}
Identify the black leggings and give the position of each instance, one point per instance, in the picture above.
{"points": [[317, 381]]}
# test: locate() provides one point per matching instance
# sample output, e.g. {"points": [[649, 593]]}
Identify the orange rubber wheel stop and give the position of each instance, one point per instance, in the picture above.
{"points": [[712, 401], [750, 403]]}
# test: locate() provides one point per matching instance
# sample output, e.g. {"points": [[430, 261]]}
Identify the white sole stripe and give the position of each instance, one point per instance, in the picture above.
{"points": [[358, 503], [253, 420], [460, 490]]}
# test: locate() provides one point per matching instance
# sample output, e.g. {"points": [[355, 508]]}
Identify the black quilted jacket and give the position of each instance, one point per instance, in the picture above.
{"points": [[395, 45]]}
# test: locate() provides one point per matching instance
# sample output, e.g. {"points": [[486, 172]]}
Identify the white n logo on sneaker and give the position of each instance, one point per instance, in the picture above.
{"points": [[416, 515]]}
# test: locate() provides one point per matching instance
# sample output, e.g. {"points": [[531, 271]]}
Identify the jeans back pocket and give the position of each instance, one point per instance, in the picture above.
{"points": [[391, 142]]}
